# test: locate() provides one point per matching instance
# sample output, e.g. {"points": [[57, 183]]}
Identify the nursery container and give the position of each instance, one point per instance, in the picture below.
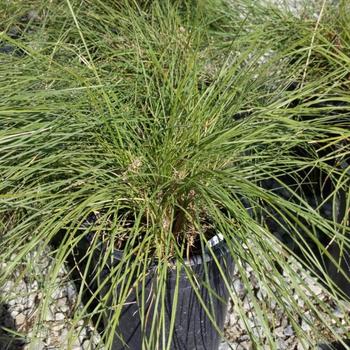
{"points": [[340, 254], [193, 329]]}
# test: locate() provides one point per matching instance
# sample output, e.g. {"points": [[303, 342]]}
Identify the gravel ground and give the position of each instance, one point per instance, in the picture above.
{"points": [[301, 8], [281, 329], [24, 301]]}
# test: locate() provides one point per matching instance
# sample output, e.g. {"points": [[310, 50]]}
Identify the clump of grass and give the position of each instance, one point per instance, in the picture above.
{"points": [[163, 120]]}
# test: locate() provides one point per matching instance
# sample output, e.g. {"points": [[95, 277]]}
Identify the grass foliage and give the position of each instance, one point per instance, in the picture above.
{"points": [[163, 120]]}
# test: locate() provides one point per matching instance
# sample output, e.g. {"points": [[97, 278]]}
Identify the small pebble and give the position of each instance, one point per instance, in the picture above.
{"points": [[288, 331], [20, 319], [305, 326], [224, 346], [279, 331], [59, 317], [239, 288]]}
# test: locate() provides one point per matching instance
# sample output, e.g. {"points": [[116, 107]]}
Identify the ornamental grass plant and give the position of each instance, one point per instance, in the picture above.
{"points": [[149, 127]]}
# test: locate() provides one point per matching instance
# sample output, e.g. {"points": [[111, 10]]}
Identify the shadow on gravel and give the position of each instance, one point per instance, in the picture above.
{"points": [[8, 339]]}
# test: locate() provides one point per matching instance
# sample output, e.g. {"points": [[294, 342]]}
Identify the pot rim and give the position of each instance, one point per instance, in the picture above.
{"points": [[217, 243]]}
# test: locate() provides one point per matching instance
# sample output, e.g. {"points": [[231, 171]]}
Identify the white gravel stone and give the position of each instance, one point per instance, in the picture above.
{"points": [[50, 316], [288, 331], [246, 303], [20, 319], [37, 344], [14, 313], [224, 346], [60, 316], [305, 326], [239, 288], [62, 302], [279, 331], [244, 346], [282, 344], [57, 327]]}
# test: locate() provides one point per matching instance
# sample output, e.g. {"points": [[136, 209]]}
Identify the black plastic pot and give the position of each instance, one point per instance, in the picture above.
{"points": [[317, 187], [193, 329], [339, 254]]}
